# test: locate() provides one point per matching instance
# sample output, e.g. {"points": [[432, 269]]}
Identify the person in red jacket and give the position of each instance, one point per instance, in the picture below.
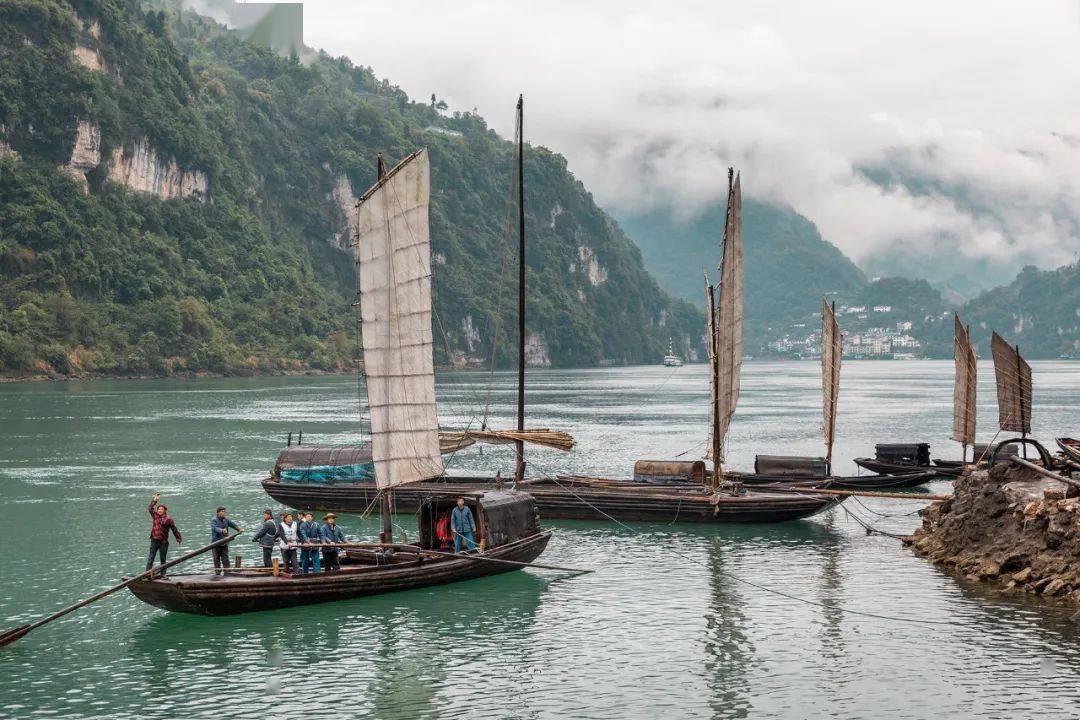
{"points": [[159, 532]]}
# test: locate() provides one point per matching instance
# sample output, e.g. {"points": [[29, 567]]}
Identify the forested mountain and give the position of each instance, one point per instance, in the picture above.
{"points": [[172, 200], [788, 266], [1039, 310]]}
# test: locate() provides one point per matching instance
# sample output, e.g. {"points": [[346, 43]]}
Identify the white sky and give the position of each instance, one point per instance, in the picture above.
{"points": [[650, 101]]}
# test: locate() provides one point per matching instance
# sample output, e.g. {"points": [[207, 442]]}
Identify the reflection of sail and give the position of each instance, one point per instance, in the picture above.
{"points": [[729, 652], [393, 258], [831, 354], [964, 386], [832, 591], [1013, 376]]}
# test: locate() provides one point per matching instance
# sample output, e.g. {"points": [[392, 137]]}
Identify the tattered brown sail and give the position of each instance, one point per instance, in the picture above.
{"points": [[729, 315], [1013, 376], [964, 386], [831, 352]]}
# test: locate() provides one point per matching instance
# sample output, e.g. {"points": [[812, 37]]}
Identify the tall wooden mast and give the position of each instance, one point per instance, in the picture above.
{"points": [[385, 503], [519, 467]]}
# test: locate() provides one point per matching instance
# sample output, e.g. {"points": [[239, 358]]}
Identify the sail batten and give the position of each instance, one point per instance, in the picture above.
{"points": [[728, 321], [831, 356], [965, 385], [393, 258], [1013, 376]]}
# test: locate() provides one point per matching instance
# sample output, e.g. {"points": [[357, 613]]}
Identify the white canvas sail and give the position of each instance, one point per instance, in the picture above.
{"points": [[831, 355], [393, 258], [729, 317], [964, 385], [1013, 376]]}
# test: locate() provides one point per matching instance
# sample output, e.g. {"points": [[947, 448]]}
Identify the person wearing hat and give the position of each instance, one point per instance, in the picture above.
{"points": [[159, 532], [310, 558], [219, 530], [331, 535], [267, 536]]}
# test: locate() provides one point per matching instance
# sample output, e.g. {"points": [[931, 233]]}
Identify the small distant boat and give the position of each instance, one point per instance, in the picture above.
{"points": [[671, 359]]}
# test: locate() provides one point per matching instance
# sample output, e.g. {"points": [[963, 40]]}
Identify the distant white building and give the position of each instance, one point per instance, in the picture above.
{"points": [[882, 308], [903, 326]]}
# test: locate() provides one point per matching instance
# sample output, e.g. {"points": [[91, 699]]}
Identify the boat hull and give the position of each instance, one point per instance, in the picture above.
{"points": [[570, 500], [207, 594], [887, 468], [852, 482]]}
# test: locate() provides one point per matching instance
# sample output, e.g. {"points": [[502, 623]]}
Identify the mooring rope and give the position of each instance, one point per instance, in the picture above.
{"points": [[758, 586]]}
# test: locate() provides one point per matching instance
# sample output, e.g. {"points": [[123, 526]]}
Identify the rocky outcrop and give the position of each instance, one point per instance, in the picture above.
{"points": [[1007, 526], [86, 155], [591, 266], [537, 353], [344, 203], [139, 168], [86, 53], [5, 147]]}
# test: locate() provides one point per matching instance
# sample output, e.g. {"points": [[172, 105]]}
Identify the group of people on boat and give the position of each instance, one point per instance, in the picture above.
{"points": [[319, 545]]}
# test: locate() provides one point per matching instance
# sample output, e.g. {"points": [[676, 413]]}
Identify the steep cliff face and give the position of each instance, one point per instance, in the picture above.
{"points": [[191, 198], [140, 169]]}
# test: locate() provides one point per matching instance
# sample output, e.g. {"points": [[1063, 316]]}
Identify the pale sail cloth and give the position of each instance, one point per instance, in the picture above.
{"points": [[964, 386], [1013, 376], [393, 258], [729, 317], [831, 354]]}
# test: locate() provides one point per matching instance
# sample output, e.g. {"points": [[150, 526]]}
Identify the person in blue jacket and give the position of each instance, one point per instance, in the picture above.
{"points": [[310, 557], [267, 537], [331, 533], [219, 529], [462, 526]]}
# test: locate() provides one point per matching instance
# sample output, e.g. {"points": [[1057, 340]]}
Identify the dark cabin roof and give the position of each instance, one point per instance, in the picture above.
{"points": [[316, 455]]}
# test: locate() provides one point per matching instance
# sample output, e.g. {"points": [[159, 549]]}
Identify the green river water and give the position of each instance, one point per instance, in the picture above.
{"points": [[677, 621]]}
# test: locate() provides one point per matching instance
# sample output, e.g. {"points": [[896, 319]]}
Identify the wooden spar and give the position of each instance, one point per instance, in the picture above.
{"points": [[870, 493], [519, 445], [1043, 471], [12, 635]]}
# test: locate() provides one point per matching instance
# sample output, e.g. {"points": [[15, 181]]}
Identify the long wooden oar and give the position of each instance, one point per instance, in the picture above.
{"points": [[14, 634], [459, 556], [485, 558]]}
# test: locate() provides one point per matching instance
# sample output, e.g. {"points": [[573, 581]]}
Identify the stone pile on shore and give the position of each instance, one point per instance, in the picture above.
{"points": [[1008, 526]]}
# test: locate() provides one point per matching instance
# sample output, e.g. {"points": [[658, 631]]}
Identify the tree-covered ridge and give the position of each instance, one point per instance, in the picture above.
{"points": [[1039, 311], [120, 282], [788, 265]]}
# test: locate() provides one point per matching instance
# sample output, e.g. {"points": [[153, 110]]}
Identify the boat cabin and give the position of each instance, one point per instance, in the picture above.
{"points": [[917, 454], [791, 466], [502, 517], [325, 464]]}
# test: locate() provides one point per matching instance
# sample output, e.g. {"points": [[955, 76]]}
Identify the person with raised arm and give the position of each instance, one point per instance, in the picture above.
{"points": [[161, 526]]}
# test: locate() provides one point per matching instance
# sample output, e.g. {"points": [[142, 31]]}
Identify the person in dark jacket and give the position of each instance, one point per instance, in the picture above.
{"points": [[219, 529], [310, 557], [462, 526], [332, 534], [161, 526], [267, 536]]}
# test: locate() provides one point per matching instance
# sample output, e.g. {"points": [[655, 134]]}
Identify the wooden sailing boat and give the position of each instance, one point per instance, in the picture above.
{"points": [[394, 280], [578, 496], [1014, 390]]}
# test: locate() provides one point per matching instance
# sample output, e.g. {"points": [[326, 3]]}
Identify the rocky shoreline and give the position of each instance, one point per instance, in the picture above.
{"points": [[1008, 526]]}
